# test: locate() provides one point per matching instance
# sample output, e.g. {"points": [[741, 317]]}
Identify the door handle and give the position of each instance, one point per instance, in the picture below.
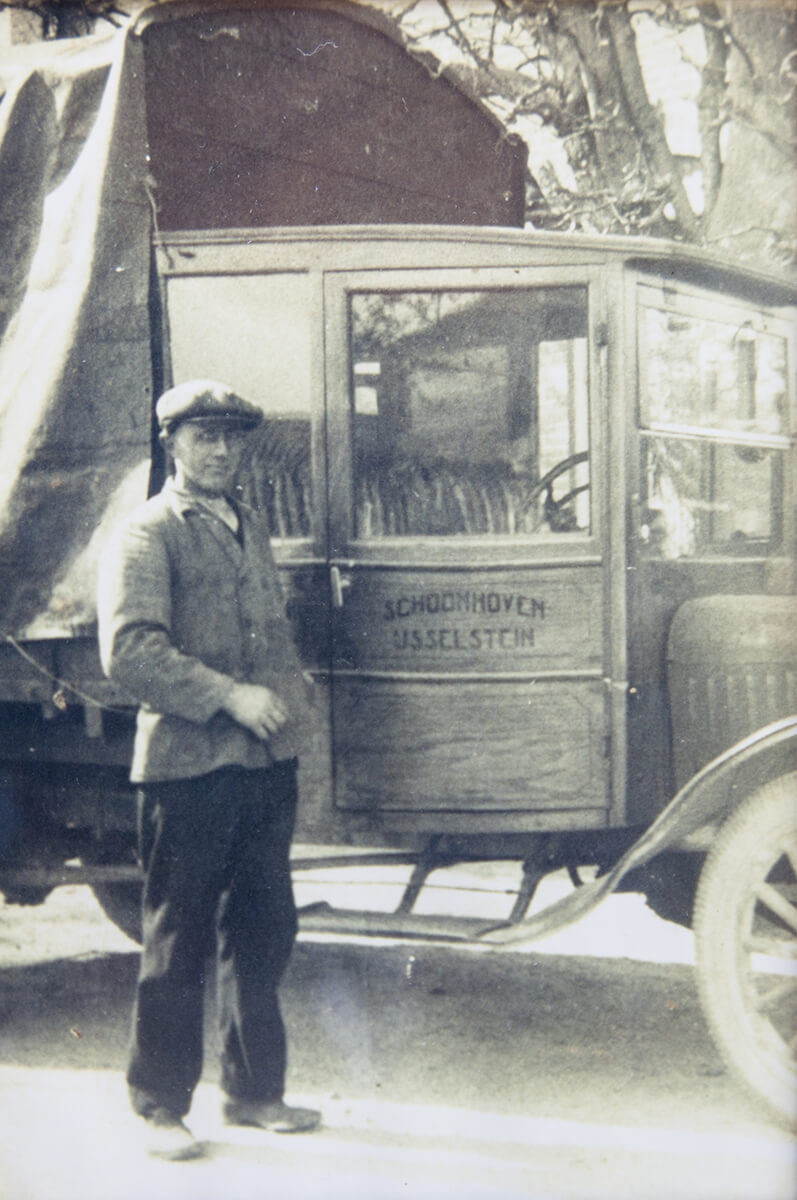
{"points": [[338, 582]]}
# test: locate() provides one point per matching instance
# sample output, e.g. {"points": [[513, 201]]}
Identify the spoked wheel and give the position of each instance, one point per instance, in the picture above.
{"points": [[746, 934]]}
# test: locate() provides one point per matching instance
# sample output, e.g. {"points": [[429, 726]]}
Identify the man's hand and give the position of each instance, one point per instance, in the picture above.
{"points": [[257, 708]]}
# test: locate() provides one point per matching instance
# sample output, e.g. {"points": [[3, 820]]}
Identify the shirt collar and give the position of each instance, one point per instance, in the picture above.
{"points": [[184, 501]]}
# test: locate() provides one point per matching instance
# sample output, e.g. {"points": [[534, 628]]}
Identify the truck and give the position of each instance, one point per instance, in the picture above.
{"points": [[532, 494]]}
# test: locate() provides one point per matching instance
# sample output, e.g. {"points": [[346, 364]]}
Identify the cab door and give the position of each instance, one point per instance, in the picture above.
{"points": [[467, 548]]}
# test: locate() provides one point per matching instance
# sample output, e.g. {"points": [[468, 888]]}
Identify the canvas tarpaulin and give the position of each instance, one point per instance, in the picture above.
{"points": [[75, 358]]}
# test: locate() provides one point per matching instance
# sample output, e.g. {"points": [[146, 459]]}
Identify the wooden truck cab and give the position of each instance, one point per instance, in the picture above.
{"points": [[495, 465]]}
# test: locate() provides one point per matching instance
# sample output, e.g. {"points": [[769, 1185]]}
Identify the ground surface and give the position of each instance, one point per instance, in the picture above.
{"points": [[581, 1068]]}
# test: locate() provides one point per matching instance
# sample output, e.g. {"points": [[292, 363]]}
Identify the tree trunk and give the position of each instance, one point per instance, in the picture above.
{"points": [[710, 103], [754, 215], [647, 121], [611, 134]]}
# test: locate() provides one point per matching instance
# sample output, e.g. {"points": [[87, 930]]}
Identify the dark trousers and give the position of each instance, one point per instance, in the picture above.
{"points": [[215, 852]]}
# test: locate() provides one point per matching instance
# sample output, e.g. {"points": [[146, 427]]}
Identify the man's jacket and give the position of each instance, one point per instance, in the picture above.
{"points": [[185, 611]]}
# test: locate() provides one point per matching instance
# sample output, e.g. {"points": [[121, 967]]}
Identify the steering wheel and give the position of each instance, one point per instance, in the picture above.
{"points": [[553, 509]]}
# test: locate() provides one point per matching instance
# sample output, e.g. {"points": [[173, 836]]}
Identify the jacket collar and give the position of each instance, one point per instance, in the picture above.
{"points": [[182, 501]]}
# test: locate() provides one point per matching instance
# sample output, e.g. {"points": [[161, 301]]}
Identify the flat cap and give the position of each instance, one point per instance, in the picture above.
{"points": [[202, 400]]}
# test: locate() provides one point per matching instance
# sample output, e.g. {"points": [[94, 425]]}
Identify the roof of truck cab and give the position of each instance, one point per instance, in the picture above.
{"points": [[670, 260]]}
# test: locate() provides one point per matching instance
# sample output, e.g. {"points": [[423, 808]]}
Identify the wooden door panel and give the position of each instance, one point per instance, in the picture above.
{"points": [[472, 621], [469, 746]]}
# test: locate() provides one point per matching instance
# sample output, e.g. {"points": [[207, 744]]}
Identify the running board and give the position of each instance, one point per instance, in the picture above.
{"points": [[324, 918]]}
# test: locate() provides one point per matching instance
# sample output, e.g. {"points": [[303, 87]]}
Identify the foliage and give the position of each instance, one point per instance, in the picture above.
{"points": [[68, 18], [641, 116]]}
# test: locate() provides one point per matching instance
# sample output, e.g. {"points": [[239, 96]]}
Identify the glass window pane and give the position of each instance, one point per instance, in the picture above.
{"points": [[253, 332], [710, 497], [470, 412], [710, 374]]}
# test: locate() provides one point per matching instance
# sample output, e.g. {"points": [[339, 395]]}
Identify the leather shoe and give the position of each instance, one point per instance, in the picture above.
{"points": [[168, 1138], [275, 1116]]}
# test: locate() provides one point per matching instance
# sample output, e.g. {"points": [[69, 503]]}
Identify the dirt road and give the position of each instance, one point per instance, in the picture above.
{"points": [[442, 1073]]}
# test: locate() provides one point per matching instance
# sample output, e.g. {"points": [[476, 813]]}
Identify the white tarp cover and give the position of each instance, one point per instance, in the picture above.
{"points": [[75, 359]]}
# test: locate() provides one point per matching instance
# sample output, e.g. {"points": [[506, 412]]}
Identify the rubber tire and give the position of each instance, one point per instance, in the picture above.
{"points": [[121, 902], [748, 846]]}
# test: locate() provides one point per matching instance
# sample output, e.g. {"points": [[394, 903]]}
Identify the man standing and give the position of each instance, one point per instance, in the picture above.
{"points": [[192, 626]]}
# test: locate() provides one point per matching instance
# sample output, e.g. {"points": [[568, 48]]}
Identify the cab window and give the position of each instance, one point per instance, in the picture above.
{"points": [[469, 413], [714, 429], [254, 333]]}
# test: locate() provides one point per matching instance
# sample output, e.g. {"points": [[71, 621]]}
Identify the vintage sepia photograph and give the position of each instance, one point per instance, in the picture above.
{"points": [[398, 629]]}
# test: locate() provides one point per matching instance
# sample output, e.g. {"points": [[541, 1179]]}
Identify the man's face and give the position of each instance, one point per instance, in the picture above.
{"points": [[207, 454]]}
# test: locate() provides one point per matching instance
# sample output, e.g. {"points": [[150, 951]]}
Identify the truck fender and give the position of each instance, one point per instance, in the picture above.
{"points": [[716, 789]]}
